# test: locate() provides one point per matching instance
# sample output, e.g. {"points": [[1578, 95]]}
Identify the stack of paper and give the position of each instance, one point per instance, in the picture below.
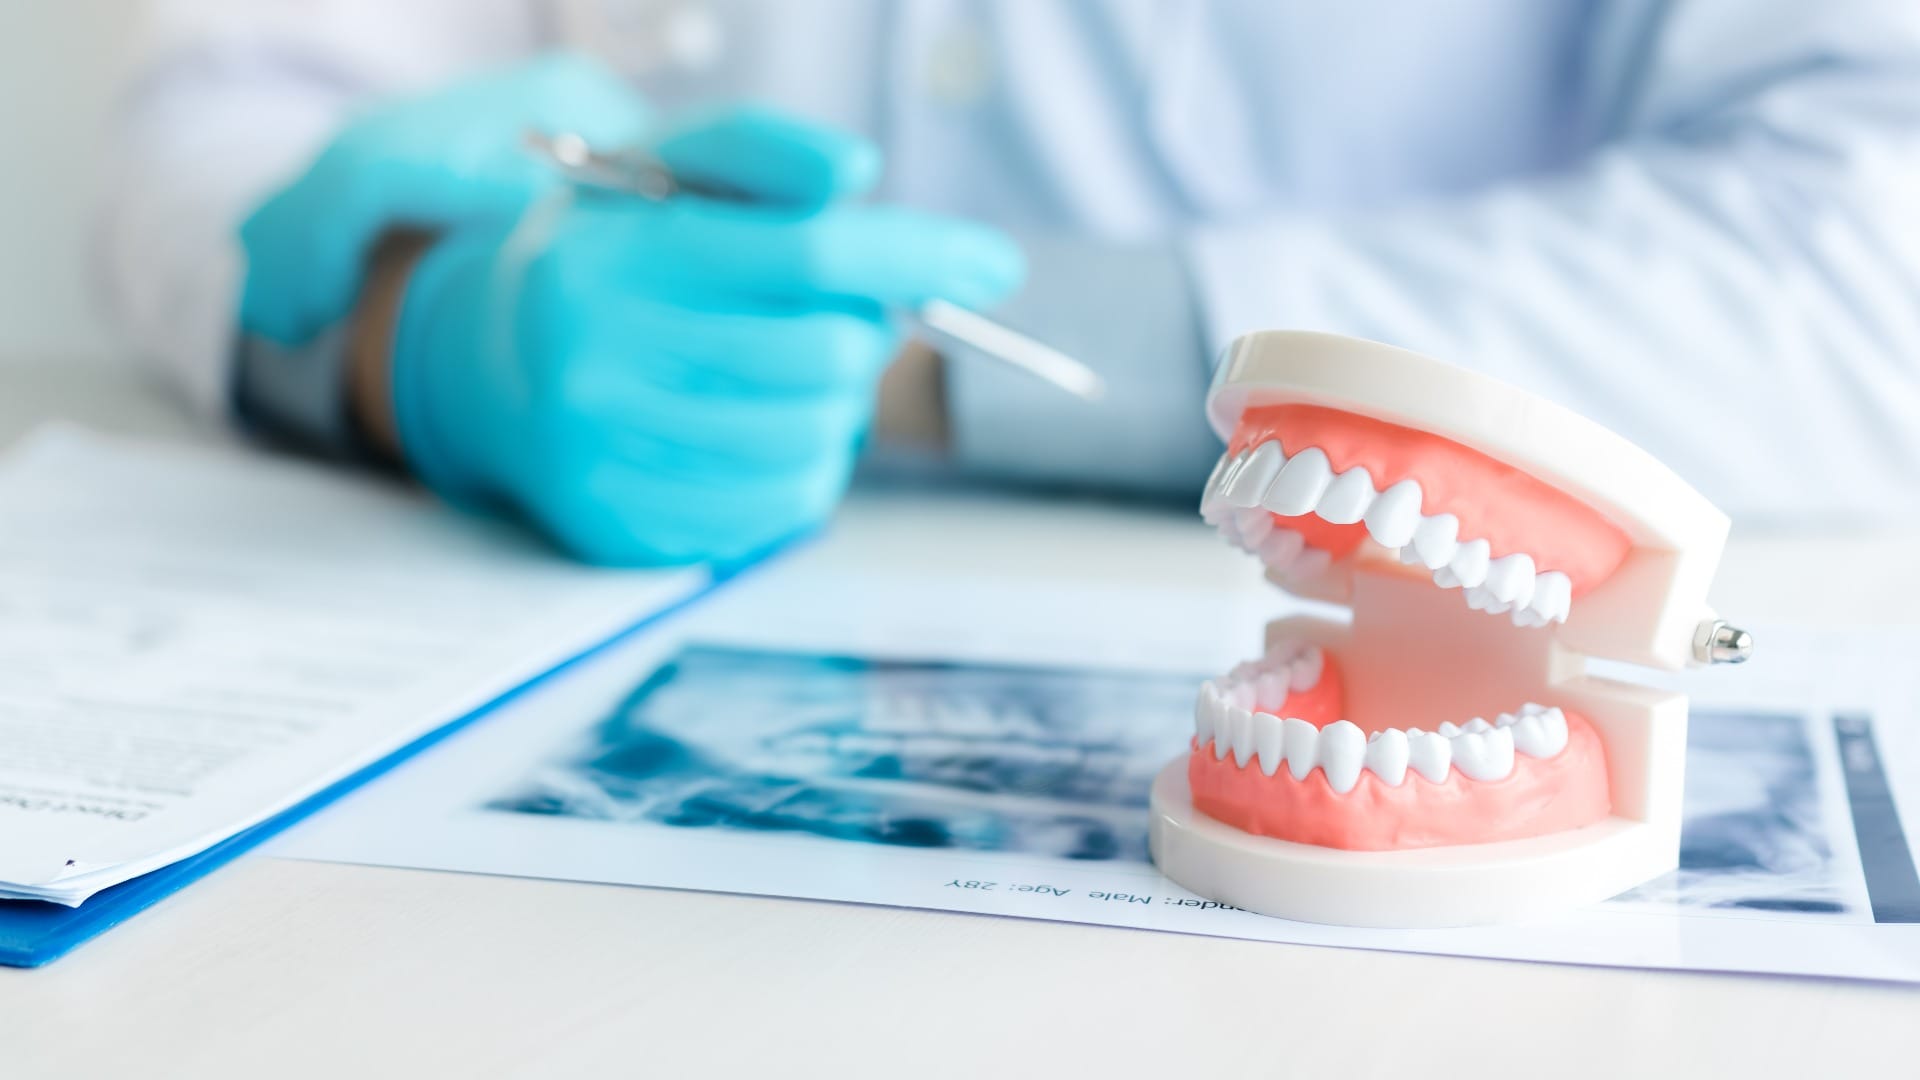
{"points": [[192, 640]]}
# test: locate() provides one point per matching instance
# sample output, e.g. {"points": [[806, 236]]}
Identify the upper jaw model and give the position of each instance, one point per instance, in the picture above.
{"points": [[1443, 760]]}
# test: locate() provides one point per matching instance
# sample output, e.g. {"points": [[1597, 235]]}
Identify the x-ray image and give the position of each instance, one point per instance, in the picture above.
{"points": [[1058, 762], [918, 754], [1754, 837]]}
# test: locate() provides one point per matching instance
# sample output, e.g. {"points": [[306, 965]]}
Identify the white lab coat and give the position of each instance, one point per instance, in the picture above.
{"points": [[1696, 221]]}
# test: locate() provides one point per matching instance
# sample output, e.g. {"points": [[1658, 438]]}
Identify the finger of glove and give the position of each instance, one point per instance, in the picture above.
{"points": [[637, 420], [884, 255], [466, 153], [764, 155], [896, 256], [746, 353], [620, 514]]}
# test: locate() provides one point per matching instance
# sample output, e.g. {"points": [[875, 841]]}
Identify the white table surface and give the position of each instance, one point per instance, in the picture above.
{"points": [[274, 967]]}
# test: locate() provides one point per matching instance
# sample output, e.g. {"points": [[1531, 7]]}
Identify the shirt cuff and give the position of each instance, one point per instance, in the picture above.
{"points": [[297, 394], [1129, 313]]}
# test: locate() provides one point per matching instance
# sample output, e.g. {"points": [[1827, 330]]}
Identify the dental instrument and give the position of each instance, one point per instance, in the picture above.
{"points": [[635, 172]]}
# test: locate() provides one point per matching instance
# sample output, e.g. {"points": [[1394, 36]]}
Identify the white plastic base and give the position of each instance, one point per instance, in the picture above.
{"points": [[1468, 885]]}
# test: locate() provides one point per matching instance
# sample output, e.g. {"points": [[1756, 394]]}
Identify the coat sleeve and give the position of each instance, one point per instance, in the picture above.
{"points": [[228, 100], [1732, 280]]}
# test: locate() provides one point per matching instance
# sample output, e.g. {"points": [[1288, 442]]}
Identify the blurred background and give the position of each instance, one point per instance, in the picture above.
{"points": [[1696, 224], [60, 63]]}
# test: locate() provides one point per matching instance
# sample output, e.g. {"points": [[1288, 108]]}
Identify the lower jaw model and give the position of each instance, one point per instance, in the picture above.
{"points": [[1443, 759]]}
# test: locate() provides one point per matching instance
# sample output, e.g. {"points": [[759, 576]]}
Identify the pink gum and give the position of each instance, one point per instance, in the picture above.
{"points": [[1495, 502], [1319, 706], [1540, 796]]}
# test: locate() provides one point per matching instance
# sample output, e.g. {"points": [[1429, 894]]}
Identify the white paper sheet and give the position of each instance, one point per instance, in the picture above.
{"points": [[986, 747], [192, 640]]}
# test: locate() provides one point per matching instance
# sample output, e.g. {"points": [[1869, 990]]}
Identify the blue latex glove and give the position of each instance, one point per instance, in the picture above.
{"points": [[450, 158], [683, 381], [664, 383]]}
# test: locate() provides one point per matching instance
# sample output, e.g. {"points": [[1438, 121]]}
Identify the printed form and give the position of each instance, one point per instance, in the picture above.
{"points": [[194, 639], [899, 738]]}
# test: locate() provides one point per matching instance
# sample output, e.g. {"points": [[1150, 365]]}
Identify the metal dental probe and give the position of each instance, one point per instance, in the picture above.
{"points": [[637, 173]]}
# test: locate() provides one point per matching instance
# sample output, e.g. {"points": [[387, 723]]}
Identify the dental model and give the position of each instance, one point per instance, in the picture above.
{"points": [[1443, 760]]}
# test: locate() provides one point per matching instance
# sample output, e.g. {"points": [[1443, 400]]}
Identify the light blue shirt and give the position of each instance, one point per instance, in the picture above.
{"points": [[1697, 221]]}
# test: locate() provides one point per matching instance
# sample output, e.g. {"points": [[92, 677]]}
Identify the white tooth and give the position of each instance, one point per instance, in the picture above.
{"points": [[1251, 481], [1485, 755], [1348, 497], [1233, 469], [1213, 505], [1468, 565], [1206, 711], [1511, 579], [1297, 739], [1228, 529], [1430, 755], [1243, 694], [1305, 669], [1528, 618], [1223, 730], [1281, 653], [1240, 735], [1532, 709], [1272, 688], [1343, 747], [1255, 526], [1281, 547], [1436, 539], [1477, 724], [1552, 596], [1505, 720], [1449, 728], [1553, 723], [1211, 491], [1481, 598], [1408, 556], [1219, 470], [1445, 578], [1301, 482], [1530, 738], [1266, 741], [1310, 563], [1387, 756], [1392, 519]]}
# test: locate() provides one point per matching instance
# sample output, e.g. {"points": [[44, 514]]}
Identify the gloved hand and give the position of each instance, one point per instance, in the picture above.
{"points": [[450, 158], [662, 383]]}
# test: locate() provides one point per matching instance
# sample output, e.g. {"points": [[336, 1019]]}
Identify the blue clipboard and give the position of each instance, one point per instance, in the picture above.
{"points": [[35, 932]]}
